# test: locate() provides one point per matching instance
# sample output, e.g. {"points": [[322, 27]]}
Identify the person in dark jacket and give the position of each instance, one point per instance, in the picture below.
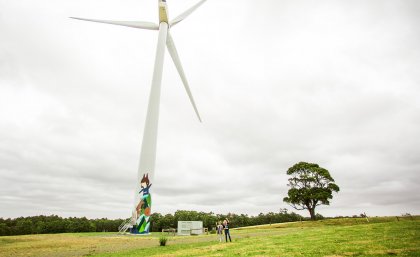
{"points": [[226, 227]]}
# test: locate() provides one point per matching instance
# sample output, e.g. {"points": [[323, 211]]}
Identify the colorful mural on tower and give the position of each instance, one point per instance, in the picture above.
{"points": [[144, 206]]}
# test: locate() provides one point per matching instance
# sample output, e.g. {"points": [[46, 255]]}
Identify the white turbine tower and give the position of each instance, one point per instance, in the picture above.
{"points": [[140, 220]]}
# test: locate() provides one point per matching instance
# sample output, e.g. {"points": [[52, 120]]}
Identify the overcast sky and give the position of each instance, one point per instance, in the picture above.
{"points": [[276, 82]]}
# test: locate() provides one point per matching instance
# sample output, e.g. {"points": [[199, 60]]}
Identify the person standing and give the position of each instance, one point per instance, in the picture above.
{"points": [[219, 228], [226, 227]]}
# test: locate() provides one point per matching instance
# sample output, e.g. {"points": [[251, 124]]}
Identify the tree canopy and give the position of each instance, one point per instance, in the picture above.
{"points": [[310, 186]]}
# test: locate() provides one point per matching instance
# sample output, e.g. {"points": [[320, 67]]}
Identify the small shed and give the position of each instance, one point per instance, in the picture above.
{"points": [[187, 228]]}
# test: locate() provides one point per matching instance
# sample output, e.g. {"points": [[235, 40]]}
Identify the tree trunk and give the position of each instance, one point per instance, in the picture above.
{"points": [[312, 213]]}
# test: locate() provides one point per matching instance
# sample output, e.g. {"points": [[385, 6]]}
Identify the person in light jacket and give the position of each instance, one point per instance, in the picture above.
{"points": [[219, 228]]}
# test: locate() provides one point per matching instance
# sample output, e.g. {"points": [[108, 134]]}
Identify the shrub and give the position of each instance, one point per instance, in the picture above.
{"points": [[163, 240]]}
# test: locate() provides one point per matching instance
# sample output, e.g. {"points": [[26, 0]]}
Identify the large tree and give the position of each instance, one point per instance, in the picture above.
{"points": [[310, 186]]}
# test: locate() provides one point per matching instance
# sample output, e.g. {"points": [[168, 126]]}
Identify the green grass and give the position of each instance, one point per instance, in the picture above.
{"points": [[332, 238]]}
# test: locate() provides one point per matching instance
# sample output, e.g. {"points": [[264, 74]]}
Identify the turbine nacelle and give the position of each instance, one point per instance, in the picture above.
{"points": [[163, 11]]}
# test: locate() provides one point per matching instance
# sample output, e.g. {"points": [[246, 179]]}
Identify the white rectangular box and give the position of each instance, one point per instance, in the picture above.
{"points": [[186, 228]]}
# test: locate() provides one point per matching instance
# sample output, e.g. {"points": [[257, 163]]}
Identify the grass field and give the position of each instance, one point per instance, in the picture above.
{"points": [[333, 238]]}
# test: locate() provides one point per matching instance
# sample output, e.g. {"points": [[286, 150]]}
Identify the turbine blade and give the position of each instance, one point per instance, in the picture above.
{"points": [[186, 13], [174, 54], [132, 24]]}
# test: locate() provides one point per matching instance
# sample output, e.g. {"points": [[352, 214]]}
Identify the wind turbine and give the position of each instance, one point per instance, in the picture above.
{"points": [[139, 223]]}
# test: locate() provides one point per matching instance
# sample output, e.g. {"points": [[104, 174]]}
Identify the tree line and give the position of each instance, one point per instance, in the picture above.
{"points": [[55, 224], [210, 219]]}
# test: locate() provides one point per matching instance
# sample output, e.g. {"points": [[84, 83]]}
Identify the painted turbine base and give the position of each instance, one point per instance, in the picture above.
{"points": [[143, 208]]}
